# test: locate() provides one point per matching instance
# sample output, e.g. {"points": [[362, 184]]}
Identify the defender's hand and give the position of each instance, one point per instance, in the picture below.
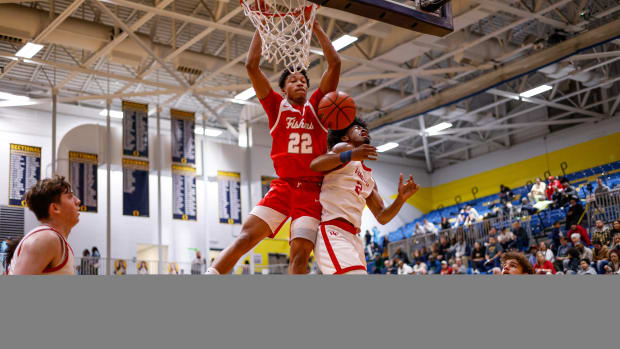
{"points": [[364, 152], [407, 189]]}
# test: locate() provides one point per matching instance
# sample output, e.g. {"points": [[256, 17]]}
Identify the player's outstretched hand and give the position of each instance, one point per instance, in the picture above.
{"points": [[364, 152], [407, 189]]}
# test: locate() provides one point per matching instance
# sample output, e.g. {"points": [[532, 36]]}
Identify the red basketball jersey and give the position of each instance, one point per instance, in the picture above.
{"points": [[298, 135]]}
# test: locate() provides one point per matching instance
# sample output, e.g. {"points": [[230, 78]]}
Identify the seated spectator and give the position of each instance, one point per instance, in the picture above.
{"points": [[380, 267], [553, 187], [569, 192], [601, 233], [615, 230], [600, 256], [575, 210], [461, 248], [555, 235], [492, 233], [472, 215], [419, 230], [434, 267], [531, 255], [586, 269], [526, 208], [424, 254], [562, 254], [402, 255], [601, 188], [613, 267], [583, 234], [615, 244], [507, 240], [548, 253], [523, 240], [445, 224], [392, 267], [493, 254], [403, 268], [420, 268], [443, 248], [429, 228], [459, 267], [460, 218], [445, 268], [584, 252], [478, 256], [515, 263], [505, 194], [543, 266], [452, 248], [538, 191], [571, 265]]}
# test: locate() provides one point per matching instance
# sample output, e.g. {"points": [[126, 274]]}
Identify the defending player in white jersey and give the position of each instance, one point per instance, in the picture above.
{"points": [[347, 188]]}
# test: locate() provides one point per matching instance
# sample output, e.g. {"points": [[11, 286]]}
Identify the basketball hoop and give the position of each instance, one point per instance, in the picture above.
{"points": [[285, 27]]}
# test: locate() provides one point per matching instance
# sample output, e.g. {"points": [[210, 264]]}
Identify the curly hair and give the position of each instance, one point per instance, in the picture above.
{"points": [[335, 136], [286, 73], [521, 259]]}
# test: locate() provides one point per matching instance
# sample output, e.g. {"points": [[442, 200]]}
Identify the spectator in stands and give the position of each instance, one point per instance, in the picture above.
{"points": [[379, 265], [571, 265], [515, 263], [574, 213], [506, 239], [523, 240], [555, 235], [600, 187], [568, 192], [384, 248], [543, 266], [601, 233], [424, 254], [472, 215], [531, 255], [553, 187], [444, 223], [577, 229], [478, 256], [196, 268], [615, 230], [493, 254], [562, 254], [367, 237], [95, 255], [419, 230], [615, 244], [429, 228], [505, 194], [548, 253], [445, 268], [420, 268], [85, 263], [442, 249], [403, 268], [460, 218], [401, 255], [600, 255], [538, 191], [613, 267], [461, 248], [492, 233], [586, 269], [584, 252], [392, 267], [434, 267], [459, 267]]}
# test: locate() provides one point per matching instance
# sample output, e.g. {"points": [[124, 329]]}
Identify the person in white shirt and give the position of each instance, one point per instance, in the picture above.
{"points": [[538, 191], [420, 268], [547, 251], [472, 216], [418, 229], [429, 227], [404, 268]]}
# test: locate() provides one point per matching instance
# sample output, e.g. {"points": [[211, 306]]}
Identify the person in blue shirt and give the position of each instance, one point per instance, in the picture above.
{"points": [[434, 266], [555, 237]]}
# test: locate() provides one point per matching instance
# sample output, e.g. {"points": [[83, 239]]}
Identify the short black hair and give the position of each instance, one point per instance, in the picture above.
{"points": [[335, 136], [287, 72]]}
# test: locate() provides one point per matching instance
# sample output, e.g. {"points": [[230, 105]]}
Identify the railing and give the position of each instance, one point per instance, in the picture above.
{"points": [[604, 206], [2, 264]]}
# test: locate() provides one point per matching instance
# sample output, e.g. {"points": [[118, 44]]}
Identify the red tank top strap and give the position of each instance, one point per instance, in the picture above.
{"points": [[66, 248]]}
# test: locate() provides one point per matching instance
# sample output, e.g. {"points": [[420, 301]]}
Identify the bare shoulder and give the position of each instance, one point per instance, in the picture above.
{"points": [[342, 147], [42, 241]]}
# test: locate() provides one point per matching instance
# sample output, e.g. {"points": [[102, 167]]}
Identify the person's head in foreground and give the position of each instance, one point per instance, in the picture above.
{"points": [[616, 224], [515, 263], [356, 134]]}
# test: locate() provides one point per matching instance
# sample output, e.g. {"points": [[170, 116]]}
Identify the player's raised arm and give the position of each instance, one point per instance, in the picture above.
{"points": [[259, 80], [341, 154], [329, 81], [385, 214]]}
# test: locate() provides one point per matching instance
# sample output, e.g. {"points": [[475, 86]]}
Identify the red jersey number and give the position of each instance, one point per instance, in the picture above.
{"points": [[300, 143], [358, 187]]}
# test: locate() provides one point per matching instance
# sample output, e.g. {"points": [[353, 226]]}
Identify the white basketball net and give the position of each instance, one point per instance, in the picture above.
{"points": [[285, 27]]}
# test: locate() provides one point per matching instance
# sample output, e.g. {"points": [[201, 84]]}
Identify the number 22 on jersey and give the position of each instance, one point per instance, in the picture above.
{"points": [[300, 143]]}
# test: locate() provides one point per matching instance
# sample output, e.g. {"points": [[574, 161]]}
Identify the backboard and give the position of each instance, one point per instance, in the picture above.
{"points": [[406, 14]]}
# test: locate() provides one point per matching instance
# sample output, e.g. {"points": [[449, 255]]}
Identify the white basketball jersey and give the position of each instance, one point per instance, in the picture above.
{"points": [[344, 192], [65, 267]]}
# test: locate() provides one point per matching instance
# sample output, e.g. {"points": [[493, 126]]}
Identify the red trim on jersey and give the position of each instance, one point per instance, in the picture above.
{"points": [[342, 225], [66, 249], [274, 233], [366, 168], [348, 269], [330, 250]]}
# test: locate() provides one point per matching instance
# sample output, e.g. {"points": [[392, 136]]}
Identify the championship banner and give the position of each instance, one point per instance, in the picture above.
{"points": [[229, 188], [183, 137], [183, 193], [265, 184], [135, 188], [135, 130], [25, 171], [83, 179]]}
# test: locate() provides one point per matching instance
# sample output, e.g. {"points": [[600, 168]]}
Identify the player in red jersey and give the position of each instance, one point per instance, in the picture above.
{"points": [[298, 137]]}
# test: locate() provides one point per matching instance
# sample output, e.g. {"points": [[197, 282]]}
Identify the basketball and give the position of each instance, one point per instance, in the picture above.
{"points": [[337, 110]]}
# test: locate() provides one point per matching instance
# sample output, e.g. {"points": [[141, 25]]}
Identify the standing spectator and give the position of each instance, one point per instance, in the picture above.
{"points": [[575, 210], [583, 234], [85, 263], [523, 240], [197, 264], [586, 269], [531, 256], [506, 239], [442, 249], [571, 265], [548, 253], [515, 263], [543, 266], [600, 256], [615, 244], [434, 267], [493, 254], [367, 237], [538, 191], [424, 254], [444, 223], [600, 187], [613, 267], [555, 235], [584, 252], [420, 267], [477, 257], [445, 268], [615, 230], [601, 233], [404, 268], [459, 267], [461, 248], [429, 228], [384, 246], [562, 254], [95, 255]]}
